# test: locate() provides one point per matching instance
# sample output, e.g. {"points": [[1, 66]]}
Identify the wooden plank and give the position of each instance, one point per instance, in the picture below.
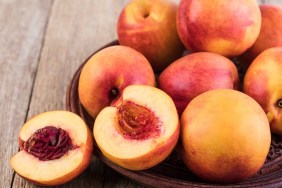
{"points": [[22, 26], [273, 2], [75, 29]]}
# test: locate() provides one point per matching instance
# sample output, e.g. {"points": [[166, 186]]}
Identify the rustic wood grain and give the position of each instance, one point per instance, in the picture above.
{"points": [[272, 2], [22, 30], [42, 43], [75, 29]]}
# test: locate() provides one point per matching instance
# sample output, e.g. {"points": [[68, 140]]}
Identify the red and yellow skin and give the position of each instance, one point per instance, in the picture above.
{"points": [[218, 26], [150, 28], [196, 73], [218, 132], [108, 72], [263, 82], [270, 34]]}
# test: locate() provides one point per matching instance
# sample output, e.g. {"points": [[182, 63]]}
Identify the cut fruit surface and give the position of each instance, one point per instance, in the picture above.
{"points": [[158, 136], [39, 132]]}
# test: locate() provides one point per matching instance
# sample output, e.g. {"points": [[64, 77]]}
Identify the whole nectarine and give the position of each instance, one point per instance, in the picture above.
{"points": [[225, 136], [196, 73], [108, 72], [263, 82], [149, 26], [225, 27]]}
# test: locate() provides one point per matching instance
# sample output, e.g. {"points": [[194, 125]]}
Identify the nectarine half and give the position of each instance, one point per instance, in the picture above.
{"points": [[55, 147], [140, 131]]}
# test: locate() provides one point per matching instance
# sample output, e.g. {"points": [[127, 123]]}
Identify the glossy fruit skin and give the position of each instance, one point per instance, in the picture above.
{"points": [[108, 72], [263, 82], [270, 35], [218, 131], [196, 73], [150, 28], [202, 27]]}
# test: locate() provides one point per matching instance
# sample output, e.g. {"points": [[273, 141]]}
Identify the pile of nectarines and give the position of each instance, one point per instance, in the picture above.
{"points": [[172, 80]]}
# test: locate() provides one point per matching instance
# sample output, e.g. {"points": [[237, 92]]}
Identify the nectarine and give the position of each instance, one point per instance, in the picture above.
{"points": [[196, 73], [149, 26], [270, 34], [225, 136], [108, 72], [225, 27], [140, 131], [55, 147], [263, 82]]}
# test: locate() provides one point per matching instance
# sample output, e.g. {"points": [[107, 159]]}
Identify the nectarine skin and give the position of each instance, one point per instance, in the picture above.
{"points": [[270, 34], [54, 171], [225, 136], [263, 82], [108, 72], [131, 141], [150, 28], [225, 27], [196, 73]]}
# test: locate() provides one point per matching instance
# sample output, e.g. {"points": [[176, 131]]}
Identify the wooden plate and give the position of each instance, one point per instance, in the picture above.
{"points": [[172, 172]]}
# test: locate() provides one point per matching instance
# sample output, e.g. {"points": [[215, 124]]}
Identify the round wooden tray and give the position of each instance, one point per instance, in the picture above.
{"points": [[172, 172]]}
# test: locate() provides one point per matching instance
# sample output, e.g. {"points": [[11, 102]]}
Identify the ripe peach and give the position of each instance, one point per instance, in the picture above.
{"points": [[196, 73], [270, 34], [225, 136], [150, 28], [141, 130], [227, 28], [108, 72], [55, 147], [263, 82]]}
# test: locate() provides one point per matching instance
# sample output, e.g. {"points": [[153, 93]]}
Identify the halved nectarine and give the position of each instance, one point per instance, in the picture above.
{"points": [[55, 147], [141, 130]]}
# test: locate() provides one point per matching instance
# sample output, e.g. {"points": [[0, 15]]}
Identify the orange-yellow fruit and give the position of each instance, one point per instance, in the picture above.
{"points": [[55, 147], [225, 136]]}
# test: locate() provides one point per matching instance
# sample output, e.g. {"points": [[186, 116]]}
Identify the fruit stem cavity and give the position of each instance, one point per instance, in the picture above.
{"points": [[279, 103]]}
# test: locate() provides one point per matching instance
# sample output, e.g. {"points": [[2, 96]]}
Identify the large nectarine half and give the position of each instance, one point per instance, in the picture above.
{"points": [[140, 131]]}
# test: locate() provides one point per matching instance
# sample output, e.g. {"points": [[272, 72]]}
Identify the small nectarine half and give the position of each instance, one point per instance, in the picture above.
{"points": [[55, 147]]}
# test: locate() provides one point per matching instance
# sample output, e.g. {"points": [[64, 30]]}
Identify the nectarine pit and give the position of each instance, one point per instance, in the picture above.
{"points": [[48, 143], [137, 122]]}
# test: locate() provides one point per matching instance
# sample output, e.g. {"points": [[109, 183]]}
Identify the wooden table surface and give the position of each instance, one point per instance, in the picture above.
{"points": [[42, 43]]}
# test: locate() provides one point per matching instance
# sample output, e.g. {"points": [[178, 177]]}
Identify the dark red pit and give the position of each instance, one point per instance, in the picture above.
{"points": [[48, 143], [137, 122]]}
